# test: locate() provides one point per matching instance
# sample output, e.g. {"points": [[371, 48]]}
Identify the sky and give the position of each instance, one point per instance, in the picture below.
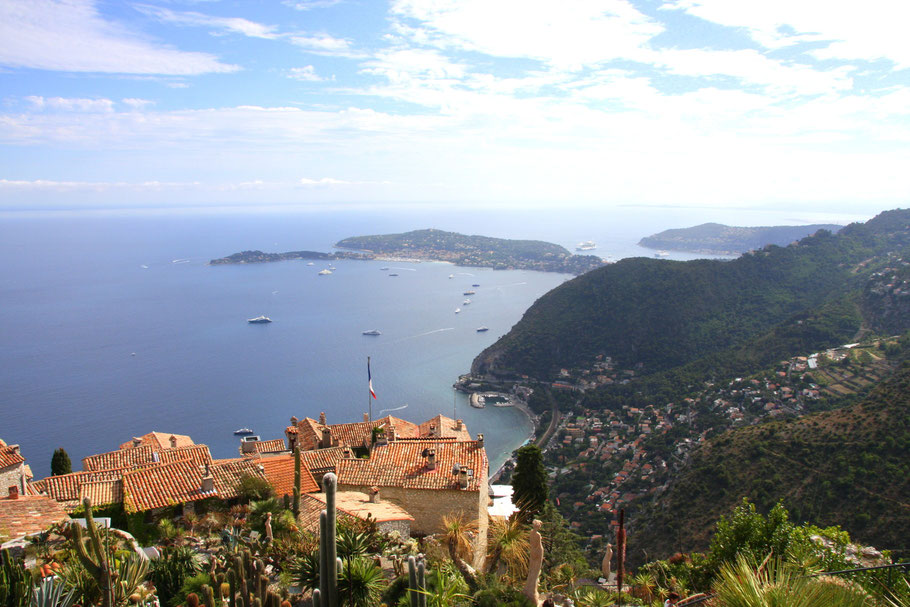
{"points": [[712, 103]]}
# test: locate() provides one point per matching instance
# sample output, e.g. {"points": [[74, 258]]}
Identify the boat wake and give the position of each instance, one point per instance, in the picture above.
{"points": [[408, 269], [423, 334], [394, 409]]}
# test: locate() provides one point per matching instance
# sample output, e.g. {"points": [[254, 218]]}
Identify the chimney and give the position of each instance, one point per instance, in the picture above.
{"points": [[347, 453], [463, 478], [294, 420], [432, 430], [366, 417], [390, 433], [374, 495], [326, 437], [208, 481], [459, 424], [431, 459], [14, 492], [322, 418], [136, 442], [480, 439], [173, 440]]}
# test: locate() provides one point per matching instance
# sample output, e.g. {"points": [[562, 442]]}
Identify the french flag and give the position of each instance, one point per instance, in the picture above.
{"points": [[370, 378]]}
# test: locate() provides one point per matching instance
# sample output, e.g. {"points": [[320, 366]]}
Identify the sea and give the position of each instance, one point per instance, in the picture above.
{"points": [[112, 323]]}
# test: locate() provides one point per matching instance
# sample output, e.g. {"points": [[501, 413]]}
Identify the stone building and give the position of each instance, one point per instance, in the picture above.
{"points": [[13, 470]]}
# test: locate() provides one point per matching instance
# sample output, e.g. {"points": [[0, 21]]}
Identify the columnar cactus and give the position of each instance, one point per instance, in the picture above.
{"points": [[329, 563], [249, 586], [296, 505], [417, 581], [93, 556]]}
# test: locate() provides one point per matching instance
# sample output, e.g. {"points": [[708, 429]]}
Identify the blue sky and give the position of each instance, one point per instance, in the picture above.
{"points": [[727, 103]]}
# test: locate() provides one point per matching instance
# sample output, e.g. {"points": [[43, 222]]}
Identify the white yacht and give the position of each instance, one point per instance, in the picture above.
{"points": [[259, 320], [324, 272]]}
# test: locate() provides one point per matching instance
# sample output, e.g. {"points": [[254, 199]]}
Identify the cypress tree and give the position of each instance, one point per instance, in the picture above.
{"points": [[529, 481], [60, 462]]}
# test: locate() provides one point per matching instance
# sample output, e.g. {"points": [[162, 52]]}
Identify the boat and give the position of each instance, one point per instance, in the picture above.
{"points": [[385, 268], [393, 274], [259, 320], [243, 432], [373, 332], [475, 285], [309, 263], [324, 272], [470, 292], [466, 302], [457, 310], [482, 329], [332, 268], [451, 276], [587, 245], [144, 267]]}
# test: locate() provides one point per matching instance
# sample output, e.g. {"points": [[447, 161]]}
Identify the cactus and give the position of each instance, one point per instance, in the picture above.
{"points": [[417, 581], [192, 600], [329, 563], [15, 582], [208, 596], [296, 504], [93, 556], [248, 585]]}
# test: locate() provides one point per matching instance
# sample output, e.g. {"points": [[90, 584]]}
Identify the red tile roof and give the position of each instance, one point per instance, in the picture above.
{"points": [[162, 485], [275, 445], [198, 454], [66, 488], [227, 474], [320, 461], [102, 493], [27, 515], [280, 472], [160, 440], [402, 464], [122, 458], [9, 455], [444, 427], [355, 434]]}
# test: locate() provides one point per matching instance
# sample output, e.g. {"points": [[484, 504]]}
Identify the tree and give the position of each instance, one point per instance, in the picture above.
{"points": [[529, 481], [60, 462]]}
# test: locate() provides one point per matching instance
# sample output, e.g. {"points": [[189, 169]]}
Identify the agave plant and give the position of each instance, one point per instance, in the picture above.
{"points": [[51, 593], [361, 582], [773, 583]]}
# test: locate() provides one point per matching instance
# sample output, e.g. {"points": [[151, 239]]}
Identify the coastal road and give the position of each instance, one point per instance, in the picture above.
{"points": [[554, 423]]}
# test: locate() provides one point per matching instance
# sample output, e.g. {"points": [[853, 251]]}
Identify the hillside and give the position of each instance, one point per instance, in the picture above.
{"points": [[719, 239], [657, 315], [478, 251], [845, 467]]}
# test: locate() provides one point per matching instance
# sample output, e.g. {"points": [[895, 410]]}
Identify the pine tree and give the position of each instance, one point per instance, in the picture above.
{"points": [[529, 481], [60, 462]]}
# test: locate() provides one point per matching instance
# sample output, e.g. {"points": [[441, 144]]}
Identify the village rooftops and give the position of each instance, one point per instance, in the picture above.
{"points": [[159, 440], [279, 471], [419, 464], [311, 434], [9, 455], [350, 504], [144, 455], [28, 514]]}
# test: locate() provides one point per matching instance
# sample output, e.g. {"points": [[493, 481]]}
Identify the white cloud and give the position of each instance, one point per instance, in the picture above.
{"points": [[137, 104], [305, 74], [308, 5], [570, 35], [875, 29], [325, 44], [71, 36], [235, 25], [71, 104]]}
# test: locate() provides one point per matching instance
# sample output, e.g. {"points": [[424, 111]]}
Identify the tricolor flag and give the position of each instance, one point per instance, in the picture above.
{"points": [[370, 378]]}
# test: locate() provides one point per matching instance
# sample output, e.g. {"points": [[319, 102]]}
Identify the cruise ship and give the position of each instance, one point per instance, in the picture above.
{"points": [[259, 320]]}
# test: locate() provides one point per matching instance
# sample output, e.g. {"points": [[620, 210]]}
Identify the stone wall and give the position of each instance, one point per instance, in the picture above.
{"points": [[402, 527], [10, 476]]}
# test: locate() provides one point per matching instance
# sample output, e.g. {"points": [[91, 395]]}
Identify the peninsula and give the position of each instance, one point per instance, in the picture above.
{"points": [[719, 239], [438, 245]]}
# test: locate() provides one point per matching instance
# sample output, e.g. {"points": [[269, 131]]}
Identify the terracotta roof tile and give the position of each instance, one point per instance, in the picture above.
{"points": [[358, 504], [198, 454], [310, 507], [27, 515], [122, 458], [402, 464], [321, 461], [66, 488], [10, 456], [355, 434], [227, 474], [280, 472], [270, 446], [159, 440], [444, 427], [102, 493], [162, 485]]}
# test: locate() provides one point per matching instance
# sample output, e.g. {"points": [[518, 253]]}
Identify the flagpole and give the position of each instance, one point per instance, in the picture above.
{"points": [[369, 391]]}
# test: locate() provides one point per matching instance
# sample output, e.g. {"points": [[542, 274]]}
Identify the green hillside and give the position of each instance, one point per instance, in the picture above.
{"points": [[660, 315], [846, 467], [719, 239]]}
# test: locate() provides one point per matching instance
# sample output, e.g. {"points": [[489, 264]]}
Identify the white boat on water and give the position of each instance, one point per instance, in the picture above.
{"points": [[469, 293], [259, 320], [373, 332], [451, 276], [324, 272], [243, 431], [466, 302], [309, 263], [482, 329], [458, 310]]}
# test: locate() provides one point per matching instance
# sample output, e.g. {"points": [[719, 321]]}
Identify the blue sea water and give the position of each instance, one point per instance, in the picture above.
{"points": [[113, 325]]}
